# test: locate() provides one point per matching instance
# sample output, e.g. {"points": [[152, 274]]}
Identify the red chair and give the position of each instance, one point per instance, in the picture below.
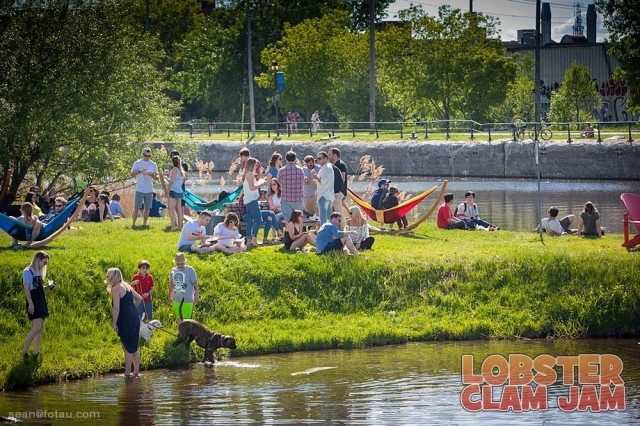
{"points": [[632, 204]]}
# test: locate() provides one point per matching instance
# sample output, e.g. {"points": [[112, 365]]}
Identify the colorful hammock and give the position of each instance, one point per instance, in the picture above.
{"points": [[393, 214], [199, 204], [49, 230]]}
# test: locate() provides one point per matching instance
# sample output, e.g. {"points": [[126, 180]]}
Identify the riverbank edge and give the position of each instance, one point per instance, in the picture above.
{"points": [[533, 292], [614, 159]]}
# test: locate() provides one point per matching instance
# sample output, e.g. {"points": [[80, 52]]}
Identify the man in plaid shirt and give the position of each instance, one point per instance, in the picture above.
{"points": [[291, 179]]}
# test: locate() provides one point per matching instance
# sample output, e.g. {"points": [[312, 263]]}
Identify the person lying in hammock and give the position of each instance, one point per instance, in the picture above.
{"points": [[391, 200]]}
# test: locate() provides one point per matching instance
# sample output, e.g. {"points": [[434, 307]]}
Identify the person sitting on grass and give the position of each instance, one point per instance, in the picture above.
{"points": [[229, 238], [468, 211], [446, 219], [330, 238], [358, 223], [116, 208], [32, 222], [589, 223], [294, 237], [555, 227], [194, 230]]}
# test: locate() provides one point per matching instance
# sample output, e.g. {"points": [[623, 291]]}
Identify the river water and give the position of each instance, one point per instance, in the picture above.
{"points": [[416, 383], [510, 204]]}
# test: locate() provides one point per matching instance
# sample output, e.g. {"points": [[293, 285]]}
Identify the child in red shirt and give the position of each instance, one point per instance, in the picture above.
{"points": [[142, 283]]}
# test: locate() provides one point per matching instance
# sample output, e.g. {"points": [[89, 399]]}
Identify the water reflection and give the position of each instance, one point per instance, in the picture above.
{"points": [[417, 383], [511, 204]]}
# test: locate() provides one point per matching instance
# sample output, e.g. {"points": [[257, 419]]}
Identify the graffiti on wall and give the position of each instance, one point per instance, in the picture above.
{"points": [[614, 100]]}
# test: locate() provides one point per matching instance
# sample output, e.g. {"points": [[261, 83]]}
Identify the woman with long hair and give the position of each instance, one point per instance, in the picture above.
{"points": [[29, 219], [177, 177], [275, 163], [251, 186], [294, 237], [358, 223], [228, 235], [33, 278], [125, 319], [589, 223]]}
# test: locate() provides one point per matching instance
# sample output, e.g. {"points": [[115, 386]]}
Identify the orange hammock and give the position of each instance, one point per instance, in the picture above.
{"points": [[393, 214]]}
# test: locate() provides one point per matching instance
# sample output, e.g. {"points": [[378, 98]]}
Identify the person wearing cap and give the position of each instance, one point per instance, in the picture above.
{"points": [[446, 219], [145, 171], [468, 211], [183, 288], [555, 227], [194, 230], [380, 194]]}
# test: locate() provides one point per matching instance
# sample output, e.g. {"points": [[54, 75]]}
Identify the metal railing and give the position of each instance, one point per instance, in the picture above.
{"points": [[447, 129]]}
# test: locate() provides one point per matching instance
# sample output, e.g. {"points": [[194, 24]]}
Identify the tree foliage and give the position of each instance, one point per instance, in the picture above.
{"points": [[79, 85], [520, 98], [622, 19], [577, 97], [448, 66]]}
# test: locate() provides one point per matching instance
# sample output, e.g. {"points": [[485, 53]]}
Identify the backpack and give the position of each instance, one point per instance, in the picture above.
{"points": [[455, 212]]}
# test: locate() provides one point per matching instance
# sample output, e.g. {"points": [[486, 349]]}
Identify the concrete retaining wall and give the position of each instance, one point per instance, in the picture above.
{"points": [[503, 159]]}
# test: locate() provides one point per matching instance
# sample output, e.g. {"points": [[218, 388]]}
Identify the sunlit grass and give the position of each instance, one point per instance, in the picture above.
{"points": [[429, 285]]}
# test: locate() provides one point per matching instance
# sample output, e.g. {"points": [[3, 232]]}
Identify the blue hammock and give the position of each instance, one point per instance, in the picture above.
{"points": [[199, 204], [22, 232]]}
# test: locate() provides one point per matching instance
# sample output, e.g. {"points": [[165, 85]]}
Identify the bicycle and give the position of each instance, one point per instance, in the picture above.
{"points": [[544, 133]]}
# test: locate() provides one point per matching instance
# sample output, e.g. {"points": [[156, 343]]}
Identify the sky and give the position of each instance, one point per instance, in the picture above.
{"points": [[513, 14]]}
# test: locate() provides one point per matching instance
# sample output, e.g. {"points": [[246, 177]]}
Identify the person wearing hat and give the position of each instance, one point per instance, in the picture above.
{"points": [[379, 195], [145, 171], [183, 288]]}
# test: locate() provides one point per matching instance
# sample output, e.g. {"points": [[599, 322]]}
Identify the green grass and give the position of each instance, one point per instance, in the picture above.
{"points": [[429, 285]]}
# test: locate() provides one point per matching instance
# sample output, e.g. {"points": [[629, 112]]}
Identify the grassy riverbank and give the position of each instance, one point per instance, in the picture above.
{"points": [[429, 285]]}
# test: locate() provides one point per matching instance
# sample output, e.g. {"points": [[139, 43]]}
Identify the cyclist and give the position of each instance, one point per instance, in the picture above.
{"points": [[518, 126]]}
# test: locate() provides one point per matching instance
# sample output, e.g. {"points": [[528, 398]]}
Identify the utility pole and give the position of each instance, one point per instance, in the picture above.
{"points": [[252, 113], [147, 20], [537, 116], [470, 6]]}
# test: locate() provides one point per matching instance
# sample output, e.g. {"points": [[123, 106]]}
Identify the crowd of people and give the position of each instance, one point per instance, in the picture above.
{"points": [[291, 194]]}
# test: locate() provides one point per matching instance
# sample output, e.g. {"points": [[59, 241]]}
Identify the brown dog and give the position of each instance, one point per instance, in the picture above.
{"points": [[190, 330]]}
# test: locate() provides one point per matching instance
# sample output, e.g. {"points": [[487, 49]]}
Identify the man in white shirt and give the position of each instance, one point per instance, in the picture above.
{"points": [[324, 178], [194, 230], [555, 227], [145, 171]]}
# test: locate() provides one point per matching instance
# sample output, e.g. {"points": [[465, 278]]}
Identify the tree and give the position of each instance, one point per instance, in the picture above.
{"points": [[622, 19], [79, 87], [577, 97], [448, 66], [306, 54], [520, 98]]}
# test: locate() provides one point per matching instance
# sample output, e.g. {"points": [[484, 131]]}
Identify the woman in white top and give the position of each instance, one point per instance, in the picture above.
{"points": [[251, 186], [176, 179], [358, 223], [228, 235]]}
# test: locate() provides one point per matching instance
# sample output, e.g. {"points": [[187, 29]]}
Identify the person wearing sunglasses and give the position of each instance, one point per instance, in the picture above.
{"points": [[145, 171], [229, 238], [59, 205]]}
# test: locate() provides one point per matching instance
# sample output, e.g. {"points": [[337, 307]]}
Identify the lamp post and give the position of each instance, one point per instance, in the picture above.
{"points": [[274, 67]]}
